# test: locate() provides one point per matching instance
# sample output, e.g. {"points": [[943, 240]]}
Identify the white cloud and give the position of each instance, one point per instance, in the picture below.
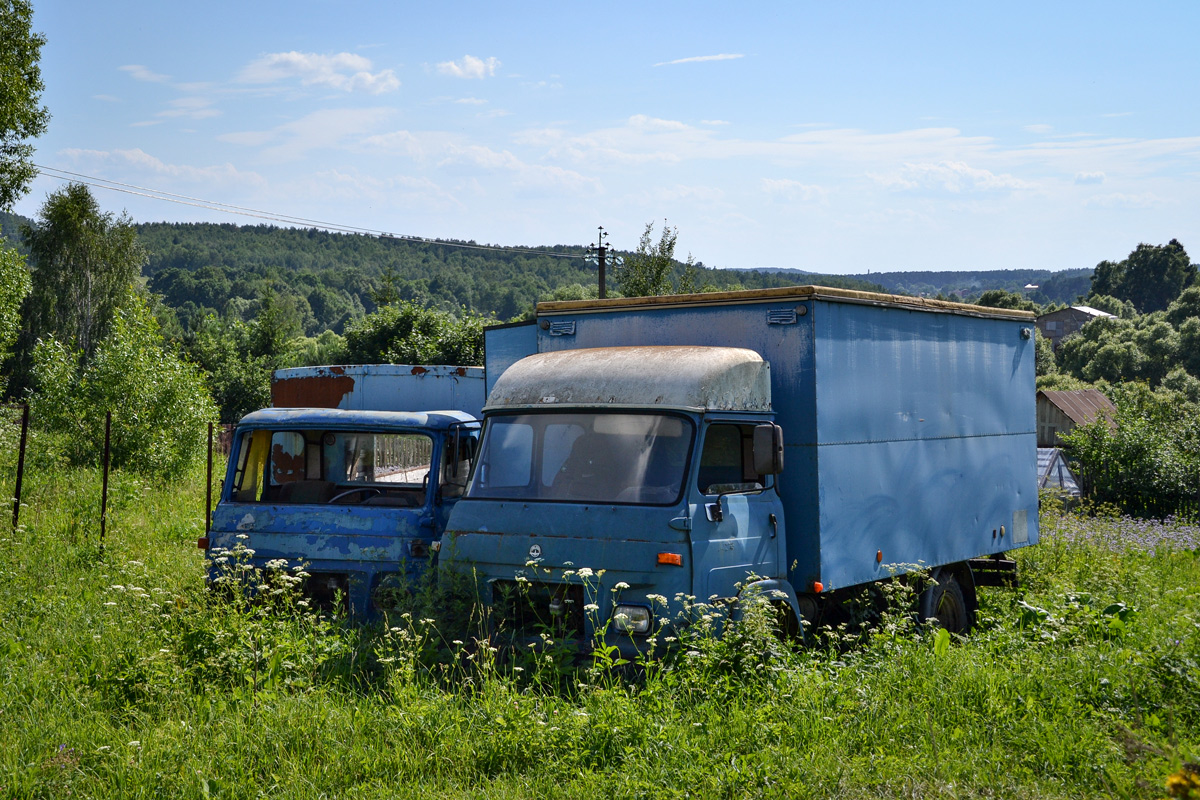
{"points": [[667, 196], [343, 71], [328, 128], [653, 124], [713, 122], [404, 143], [140, 73], [1122, 200], [248, 138], [469, 67], [793, 190], [141, 161], [191, 108], [696, 59], [470, 101], [950, 176], [1089, 177], [452, 152], [1039, 128], [398, 191]]}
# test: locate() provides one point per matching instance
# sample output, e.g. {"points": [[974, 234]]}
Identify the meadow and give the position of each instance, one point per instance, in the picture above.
{"points": [[121, 675]]}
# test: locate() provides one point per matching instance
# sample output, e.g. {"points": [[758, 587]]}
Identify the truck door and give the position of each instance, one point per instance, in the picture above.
{"points": [[737, 516]]}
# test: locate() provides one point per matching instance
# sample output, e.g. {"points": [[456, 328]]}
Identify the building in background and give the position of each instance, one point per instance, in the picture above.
{"points": [[1057, 325], [1060, 412]]}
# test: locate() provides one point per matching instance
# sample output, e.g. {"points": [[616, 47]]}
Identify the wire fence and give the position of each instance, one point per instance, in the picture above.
{"points": [[14, 438]]}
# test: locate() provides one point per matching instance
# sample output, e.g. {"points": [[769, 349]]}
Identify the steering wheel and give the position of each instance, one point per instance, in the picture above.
{"points": [[364, 489]]}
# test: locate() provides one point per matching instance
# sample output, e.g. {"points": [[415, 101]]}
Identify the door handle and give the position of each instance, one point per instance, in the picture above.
{"points": [[774, 525]]}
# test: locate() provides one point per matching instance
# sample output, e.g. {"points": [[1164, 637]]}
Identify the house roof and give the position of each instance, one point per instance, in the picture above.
{"points": [[1095, 312], [1081, 405]]}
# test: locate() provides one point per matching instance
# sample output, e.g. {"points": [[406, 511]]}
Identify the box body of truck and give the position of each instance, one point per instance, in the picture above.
{"points": [[909, 431], [350, 481]]}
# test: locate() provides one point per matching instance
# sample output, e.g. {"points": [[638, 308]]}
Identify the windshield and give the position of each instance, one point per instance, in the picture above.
{"points": [[581, 457], [312, 466]]}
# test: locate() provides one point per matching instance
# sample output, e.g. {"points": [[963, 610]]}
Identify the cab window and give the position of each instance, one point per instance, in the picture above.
{"points": [[727, 460]]}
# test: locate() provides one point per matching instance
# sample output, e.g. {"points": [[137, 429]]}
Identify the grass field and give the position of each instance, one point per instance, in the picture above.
{"points": [[120, 676]]}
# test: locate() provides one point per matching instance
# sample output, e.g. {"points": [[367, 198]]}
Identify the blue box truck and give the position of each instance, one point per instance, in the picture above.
{"points": [[352, 475], [801, 440]]}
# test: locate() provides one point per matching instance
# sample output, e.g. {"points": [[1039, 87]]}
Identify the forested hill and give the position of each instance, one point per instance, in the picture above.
{"points": [[338, 275], [10, 229]]}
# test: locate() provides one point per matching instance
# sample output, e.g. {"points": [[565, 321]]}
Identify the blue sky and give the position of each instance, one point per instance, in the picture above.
{"points": [[833, 137]]}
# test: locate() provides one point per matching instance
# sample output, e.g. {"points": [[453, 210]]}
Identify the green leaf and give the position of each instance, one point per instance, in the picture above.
{"points": [[941, 643]]}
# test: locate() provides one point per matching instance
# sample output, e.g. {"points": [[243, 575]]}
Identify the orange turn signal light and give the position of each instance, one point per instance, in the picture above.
{"points": [[878, 556], [818, 587], [670, 558], [202, 543]]}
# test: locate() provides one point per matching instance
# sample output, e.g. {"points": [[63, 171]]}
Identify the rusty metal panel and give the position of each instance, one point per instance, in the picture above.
{"points": [[696, 378], [380, 387]]}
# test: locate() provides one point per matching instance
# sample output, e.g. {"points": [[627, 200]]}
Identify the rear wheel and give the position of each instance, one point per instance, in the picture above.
{"points": [[945, 602]]}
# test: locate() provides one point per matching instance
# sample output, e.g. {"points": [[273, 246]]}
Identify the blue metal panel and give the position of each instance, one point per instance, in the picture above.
{"points": [[496, 538], [361, 542], [322, 418], [505, 345], [926, 438], [888, 374], [929, 501]]}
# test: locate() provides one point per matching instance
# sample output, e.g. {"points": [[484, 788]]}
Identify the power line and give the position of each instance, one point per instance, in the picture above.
{"points": [[214, 205]]}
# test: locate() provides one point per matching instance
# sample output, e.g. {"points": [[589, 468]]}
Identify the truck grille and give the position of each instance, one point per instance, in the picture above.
{"points": [[531, 609]]}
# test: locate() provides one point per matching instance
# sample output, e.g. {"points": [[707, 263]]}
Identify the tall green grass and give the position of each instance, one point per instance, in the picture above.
{"points": [[121, 675]]}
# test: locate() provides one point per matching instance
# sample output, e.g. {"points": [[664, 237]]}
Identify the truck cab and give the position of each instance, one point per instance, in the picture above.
{"points": [[592, 508], [353, 497]]}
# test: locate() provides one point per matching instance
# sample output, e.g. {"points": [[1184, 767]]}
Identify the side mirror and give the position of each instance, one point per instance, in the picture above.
{"points": [[768, 449]]}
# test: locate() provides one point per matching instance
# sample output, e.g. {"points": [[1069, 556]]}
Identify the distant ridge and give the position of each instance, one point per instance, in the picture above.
{"points": [[1065, 286]]}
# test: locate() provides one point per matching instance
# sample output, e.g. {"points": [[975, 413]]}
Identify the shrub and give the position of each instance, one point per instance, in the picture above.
{"points": [[159, 403], [1147, 460], [406, 333]]}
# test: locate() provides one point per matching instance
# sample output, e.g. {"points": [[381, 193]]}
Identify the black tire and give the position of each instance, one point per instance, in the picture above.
{"points": [[945, 605]]}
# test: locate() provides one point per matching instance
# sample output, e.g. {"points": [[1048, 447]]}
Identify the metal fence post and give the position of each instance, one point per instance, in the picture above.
{"points": [[104, 490], [20, 466], [208, 484]]}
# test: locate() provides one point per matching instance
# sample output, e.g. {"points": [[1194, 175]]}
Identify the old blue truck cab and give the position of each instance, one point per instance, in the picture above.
{"points": [[618, 502], [354, 497]]}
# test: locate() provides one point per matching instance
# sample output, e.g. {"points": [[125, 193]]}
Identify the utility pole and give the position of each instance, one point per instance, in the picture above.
{"points": [[598, 254]]}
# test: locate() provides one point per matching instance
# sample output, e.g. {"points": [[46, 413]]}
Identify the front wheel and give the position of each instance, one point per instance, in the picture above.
{"points": [[945, 602]]}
